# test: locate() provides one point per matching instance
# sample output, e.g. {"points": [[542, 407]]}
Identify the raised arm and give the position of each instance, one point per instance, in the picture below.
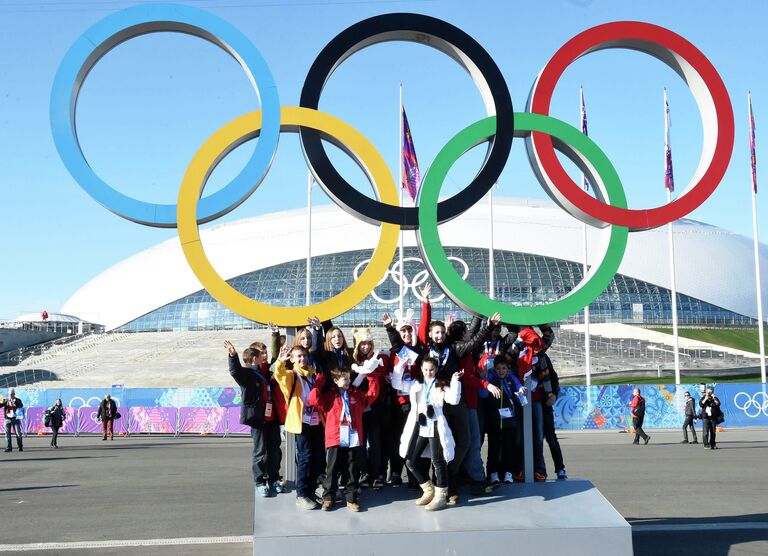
{"points": [[395, 339], [474, 326], [462, 348], [318, 337], [235, 368], [282, 375], [426, 318], [274, 345]]}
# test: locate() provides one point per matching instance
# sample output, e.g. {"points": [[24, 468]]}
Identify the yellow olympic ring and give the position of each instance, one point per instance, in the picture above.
{"points": [[246, 127]]}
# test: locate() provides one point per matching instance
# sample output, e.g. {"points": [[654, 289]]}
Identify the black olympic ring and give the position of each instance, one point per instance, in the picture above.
{"points": [[446, 38]]}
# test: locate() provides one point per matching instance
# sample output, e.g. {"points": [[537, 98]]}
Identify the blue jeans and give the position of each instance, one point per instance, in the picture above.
{"points": [[310, 459], [266, 452], [16, 424], [537, 410], [473, 462]]}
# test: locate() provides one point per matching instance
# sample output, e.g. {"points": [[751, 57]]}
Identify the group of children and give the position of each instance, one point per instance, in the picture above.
{"points": [[360, 416]]}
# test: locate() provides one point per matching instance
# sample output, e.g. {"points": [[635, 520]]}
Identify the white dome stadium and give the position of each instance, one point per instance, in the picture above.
{"points": [[713, 266]]}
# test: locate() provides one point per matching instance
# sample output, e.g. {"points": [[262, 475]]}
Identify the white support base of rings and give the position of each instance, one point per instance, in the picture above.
{"points": [[557, 517]]}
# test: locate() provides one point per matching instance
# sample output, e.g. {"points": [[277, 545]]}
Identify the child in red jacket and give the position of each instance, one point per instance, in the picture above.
{"points": [[343, 407]]}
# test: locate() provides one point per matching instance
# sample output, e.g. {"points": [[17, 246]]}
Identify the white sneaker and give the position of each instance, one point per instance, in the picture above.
{"points": [[508, 477], [305, 503], [494, 478]]}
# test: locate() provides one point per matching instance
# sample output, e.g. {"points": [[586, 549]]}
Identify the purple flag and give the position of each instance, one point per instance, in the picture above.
{"points": [[753, 158], [669, 178], [584, 181], [411, 175]]}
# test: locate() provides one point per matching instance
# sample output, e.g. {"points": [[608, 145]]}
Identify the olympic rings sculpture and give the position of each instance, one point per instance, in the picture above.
{"points": [[751, 403], [542, 134]]}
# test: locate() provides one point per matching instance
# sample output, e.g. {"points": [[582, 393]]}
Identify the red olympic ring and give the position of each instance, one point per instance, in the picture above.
{"points": [[705, 84]]}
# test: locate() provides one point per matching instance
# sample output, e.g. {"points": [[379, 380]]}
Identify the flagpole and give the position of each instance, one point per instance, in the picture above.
{"points": [[587, 355], [670, 187], [674, 296], [758, 287], [491, 285], [309, 239], [400, 181], [587, 358], [761, 338]]}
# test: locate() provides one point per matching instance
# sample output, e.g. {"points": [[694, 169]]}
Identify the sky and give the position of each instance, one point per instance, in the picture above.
{"points": [[150, 103]]}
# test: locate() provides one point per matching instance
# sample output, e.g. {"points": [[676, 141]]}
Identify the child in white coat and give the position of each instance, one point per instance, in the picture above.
{"points": [[427, 426]]}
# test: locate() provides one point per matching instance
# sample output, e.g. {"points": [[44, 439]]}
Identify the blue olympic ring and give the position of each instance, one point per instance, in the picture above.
{"points": [[140, 20]]}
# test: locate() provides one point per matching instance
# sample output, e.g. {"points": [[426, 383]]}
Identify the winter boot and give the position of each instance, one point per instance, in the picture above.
{"points": [[429, 494], [440, 500]]}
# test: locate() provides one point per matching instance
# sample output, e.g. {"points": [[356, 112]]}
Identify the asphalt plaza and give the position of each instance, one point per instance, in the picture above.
{"points": [[187, 495]]}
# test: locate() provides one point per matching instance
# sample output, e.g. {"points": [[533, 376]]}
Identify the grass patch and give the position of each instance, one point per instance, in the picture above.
{"points": [[743, 339]]}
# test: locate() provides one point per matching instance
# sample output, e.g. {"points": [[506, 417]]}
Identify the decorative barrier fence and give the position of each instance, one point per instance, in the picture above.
{"points": [[217, 410], [144, 420]]}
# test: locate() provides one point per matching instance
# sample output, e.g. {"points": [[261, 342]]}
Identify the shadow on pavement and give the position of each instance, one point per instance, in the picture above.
{"points": [[58, 458], [716, 536], [15, 489]]}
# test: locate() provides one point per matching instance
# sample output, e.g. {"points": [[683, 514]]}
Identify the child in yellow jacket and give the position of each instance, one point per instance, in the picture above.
{"points": [[303, 421]]}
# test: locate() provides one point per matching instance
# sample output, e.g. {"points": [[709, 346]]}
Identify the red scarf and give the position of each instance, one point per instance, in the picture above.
{"points": [[533, 343]]}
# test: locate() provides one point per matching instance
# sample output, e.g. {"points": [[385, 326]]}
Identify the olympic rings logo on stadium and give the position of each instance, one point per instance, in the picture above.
{"points": [[751, 403], [399, 278], [543, 135]]}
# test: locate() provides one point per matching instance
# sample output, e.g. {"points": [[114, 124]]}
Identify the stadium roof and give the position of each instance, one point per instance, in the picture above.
{"points": [[712, 264]]}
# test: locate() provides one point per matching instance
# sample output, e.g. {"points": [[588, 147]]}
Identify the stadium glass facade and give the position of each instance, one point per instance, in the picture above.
{"points": [[520, 278]]}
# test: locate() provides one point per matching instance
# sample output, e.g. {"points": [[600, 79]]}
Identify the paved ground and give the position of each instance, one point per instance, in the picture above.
{"points": [[679, 498]]}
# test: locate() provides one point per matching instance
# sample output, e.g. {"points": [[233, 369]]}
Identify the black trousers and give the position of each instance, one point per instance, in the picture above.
{"points": [[266, 452], [399, 415], [458, 421], [373, 440], [639, 432], [55, 437], [504, 451], [390, 440], [417, 445], [336, 458], [710, 431], [551, 437], [689, 423]]}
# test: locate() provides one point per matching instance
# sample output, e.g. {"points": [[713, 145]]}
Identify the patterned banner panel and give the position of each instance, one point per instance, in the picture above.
{"points": [[157, 410]]}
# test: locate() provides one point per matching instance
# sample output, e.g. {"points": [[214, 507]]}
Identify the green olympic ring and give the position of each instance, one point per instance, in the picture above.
{"points": [[585, 154]]}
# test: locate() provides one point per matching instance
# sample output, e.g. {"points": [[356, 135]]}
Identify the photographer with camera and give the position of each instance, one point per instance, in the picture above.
{"points": [[711, 416]]}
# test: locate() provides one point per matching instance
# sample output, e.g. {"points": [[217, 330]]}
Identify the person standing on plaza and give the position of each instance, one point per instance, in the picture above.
{"points": [[54, 417], [638, 416], [107, 414], [550, 435], [710, 412], [258, 411], [12, 410], [690, 416]]}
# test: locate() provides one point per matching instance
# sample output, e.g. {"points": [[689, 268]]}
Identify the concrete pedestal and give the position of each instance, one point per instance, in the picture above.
{"points": [[564, 517]]}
